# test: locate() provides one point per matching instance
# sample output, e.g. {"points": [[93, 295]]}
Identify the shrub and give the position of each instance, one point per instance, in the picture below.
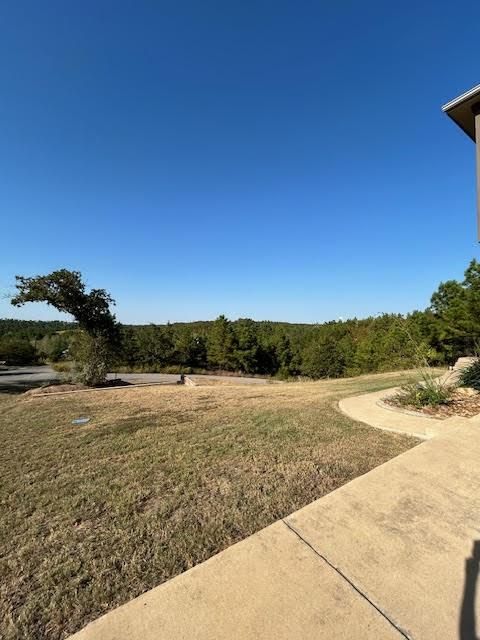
{"points": [[429, 392], [470, 376], [62, 367]]}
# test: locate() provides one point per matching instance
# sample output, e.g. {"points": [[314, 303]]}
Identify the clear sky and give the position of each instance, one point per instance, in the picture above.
{"points": [[274, 160]]}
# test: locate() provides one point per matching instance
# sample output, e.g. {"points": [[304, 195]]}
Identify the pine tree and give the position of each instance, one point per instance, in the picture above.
{"points": [[221, 345]]}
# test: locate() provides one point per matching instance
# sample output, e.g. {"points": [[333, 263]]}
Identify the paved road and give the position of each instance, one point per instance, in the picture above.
{"points": [[23, 378]]}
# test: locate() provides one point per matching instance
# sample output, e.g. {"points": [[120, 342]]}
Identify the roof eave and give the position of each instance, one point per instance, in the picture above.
{"points": [[459, 108]]}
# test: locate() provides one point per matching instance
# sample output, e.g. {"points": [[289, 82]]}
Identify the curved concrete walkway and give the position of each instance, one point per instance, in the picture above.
{"points": [[392, 554], [370, 410]]}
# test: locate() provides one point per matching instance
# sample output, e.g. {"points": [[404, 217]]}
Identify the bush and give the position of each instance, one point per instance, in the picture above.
{"points": [[429, 392], [470, 376]]}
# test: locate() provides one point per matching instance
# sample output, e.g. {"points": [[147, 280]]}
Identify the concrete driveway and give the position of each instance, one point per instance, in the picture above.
{"points": [[18, 379]]}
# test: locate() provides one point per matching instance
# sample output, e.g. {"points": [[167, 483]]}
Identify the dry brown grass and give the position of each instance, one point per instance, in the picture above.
{"points": [[159, 480]]}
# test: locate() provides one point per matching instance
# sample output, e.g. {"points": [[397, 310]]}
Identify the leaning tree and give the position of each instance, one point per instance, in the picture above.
{"points": [[99, 334]]}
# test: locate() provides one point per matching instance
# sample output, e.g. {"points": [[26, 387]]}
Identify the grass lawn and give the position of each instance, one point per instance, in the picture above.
{"points": [[159, 480]]}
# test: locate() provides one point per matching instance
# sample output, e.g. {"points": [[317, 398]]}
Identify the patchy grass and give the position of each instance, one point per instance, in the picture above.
{"points": [[159, 480]]}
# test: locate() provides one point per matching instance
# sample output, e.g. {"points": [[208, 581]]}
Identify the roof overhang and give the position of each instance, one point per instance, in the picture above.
{"points": [[461, 110]]}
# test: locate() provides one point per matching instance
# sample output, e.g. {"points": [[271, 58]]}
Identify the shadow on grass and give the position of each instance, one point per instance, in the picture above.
{"points": [[15, 388], [467, 630]]}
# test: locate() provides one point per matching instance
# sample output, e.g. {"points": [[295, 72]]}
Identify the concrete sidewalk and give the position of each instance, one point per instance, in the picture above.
{"points": [[392, 554], [370, 410]]}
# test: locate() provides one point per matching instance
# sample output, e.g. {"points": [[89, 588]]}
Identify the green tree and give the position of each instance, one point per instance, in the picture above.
{"points": [[53, 347], [155, 345], [221, 345], [190, 348], [247, 353], [456, 307], [66, 291], [283, 355], [129, 352], [324, 356], [17, 351]]}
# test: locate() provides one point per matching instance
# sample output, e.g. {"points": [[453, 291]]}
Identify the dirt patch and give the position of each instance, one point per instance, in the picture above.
{"points": [[465, 403]]}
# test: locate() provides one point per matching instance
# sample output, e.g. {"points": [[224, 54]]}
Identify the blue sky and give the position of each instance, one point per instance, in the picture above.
{"points": [[274, 160]]}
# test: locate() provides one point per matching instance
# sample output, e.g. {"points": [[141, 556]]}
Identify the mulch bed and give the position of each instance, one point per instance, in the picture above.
{"points": [[465, 403]]}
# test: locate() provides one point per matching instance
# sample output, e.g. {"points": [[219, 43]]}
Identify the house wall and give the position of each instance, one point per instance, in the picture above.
{"points": [[477, 140]]}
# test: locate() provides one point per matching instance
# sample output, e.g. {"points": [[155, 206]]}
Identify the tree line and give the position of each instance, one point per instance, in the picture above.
{"points": [[447, 329]]}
